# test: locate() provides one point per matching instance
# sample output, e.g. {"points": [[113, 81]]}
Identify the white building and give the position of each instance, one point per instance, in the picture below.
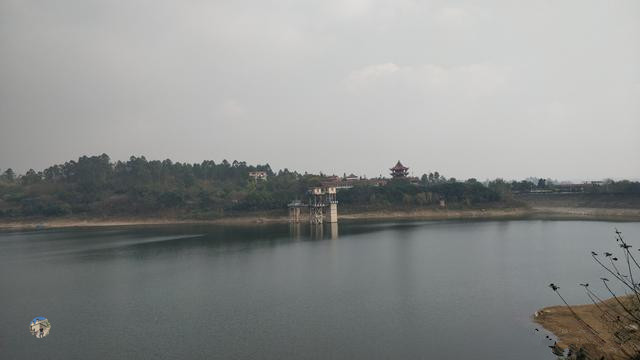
{"points": [[258, 175]]}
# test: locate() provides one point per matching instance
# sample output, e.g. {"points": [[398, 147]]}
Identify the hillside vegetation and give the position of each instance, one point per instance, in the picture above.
{"points": [[96, 186]]}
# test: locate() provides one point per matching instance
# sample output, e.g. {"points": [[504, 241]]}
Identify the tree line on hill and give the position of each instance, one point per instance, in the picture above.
{"points": [[97, 186]]}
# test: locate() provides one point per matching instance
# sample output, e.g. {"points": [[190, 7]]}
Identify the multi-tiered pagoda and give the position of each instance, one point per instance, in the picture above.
{"points": [[399, 171]]}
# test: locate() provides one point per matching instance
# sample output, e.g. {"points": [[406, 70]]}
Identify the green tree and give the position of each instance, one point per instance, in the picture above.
{"points": [[542, 184], [31, 177]]}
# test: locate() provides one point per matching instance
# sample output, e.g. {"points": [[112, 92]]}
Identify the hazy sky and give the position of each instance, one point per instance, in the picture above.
{"points": [[469, 88]]}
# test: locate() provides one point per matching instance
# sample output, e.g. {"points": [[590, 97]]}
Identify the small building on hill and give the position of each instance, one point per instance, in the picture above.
{"points": [[258, 175]]}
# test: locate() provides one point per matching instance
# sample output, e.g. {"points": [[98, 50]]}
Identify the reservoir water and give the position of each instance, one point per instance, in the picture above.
{"points": [[420, 290]]}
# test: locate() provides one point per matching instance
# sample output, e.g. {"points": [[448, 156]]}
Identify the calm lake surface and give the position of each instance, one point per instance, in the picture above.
{"points": [[427, 290]]}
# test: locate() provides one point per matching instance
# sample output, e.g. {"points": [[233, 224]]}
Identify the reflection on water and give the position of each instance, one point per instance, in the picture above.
{"points": [[408, 290], [316, 231], [295, 230]]}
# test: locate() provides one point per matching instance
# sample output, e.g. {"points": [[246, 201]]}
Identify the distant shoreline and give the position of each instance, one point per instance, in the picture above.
{"points": [[539, 213]]}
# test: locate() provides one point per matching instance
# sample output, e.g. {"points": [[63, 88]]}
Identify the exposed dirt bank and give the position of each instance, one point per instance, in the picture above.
{"points": [[582, 213], [597, 329], [551, 213]]}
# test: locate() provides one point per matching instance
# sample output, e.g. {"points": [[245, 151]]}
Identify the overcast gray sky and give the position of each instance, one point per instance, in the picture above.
{"points": [[469, 88]]}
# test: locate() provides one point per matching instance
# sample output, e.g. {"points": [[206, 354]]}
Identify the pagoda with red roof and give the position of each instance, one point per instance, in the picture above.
{"points": [[399, 171]]}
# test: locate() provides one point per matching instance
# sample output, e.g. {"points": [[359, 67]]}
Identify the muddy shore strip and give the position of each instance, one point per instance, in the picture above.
{"points": [[541, 213]]}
